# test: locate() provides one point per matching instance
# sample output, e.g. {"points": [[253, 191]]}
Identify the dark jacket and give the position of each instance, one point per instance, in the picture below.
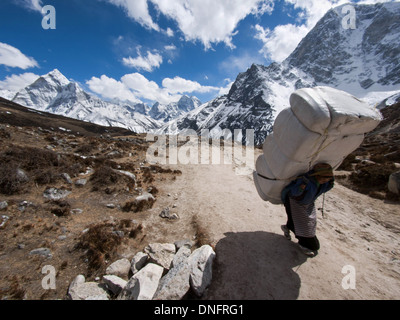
{"points": [[311, 192]]}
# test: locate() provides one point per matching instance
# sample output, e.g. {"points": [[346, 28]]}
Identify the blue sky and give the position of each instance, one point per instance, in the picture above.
{"points": [[150, 50]]}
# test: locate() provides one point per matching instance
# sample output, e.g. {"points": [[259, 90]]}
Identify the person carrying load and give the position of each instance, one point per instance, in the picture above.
{"points": [[299, 201]]}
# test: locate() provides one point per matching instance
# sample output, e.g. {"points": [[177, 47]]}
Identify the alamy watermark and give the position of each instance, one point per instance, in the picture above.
{"points": [[49, 19], [189, 148], [350, 18], [349, 280], [49, 281]]}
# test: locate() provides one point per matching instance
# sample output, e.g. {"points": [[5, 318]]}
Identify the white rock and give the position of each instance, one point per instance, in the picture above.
{"points": [[201, 261], [161, 253], [3, 205], [138, 261], [87, 291], [175, 284], [114, 284], [45, 252], [143, 285], [119, 268], [55, 194]]}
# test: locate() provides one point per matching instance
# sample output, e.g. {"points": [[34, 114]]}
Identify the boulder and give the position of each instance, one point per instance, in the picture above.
{"points": [[161, 254], [138, 262], [114, 284], [143, 285], [87, 291], [119, 268], [201, 261], [175, 284]]}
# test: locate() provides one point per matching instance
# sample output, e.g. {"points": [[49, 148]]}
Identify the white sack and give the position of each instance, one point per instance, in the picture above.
{"points": [[323, 109], [336, 149], [269, 190], [263, 168], [322, 125], [281, 166], [293, 139]]}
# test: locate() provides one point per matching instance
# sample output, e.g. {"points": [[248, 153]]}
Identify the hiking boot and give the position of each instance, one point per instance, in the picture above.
{"points": [[286, 232], [307, 251]]}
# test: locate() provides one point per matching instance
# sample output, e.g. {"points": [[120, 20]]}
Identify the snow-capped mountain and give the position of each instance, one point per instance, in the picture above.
{"points": [[166, 113], [364, 62], [54, 93]]}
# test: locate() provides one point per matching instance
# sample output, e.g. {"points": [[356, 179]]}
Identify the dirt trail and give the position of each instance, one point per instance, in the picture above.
{"points": [[255, 261]]}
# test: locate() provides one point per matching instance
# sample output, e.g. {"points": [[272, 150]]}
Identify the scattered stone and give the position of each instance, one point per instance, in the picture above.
{"points": [[138, 262], [45, 252], [143, 285], [128, 174], [166, 214], [4, 220], [110, 205], [80, 182], [201, 261], [21, 246], [394, 183], [67, 178], [22, 176], [114, 284], [119, 268], [141, 203], [23, 205], [55, 193], [161, 253], [76, 211], [3, 205]]}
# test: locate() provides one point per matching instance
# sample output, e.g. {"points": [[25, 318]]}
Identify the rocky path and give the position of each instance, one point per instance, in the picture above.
{"points": [[359, 256]]}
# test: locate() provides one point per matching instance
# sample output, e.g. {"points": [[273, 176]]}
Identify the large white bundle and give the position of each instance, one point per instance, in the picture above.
{"points": [[322, 109], [322, 125]]}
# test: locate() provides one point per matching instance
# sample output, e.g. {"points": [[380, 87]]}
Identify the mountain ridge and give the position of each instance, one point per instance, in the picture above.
{"points": [[321, 58]]}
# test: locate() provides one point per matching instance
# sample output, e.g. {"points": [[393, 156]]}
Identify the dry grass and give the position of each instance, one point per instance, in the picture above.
{"points": [[100, 244]]}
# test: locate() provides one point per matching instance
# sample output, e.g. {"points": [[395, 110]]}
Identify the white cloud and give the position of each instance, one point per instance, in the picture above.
{"points": [[169, 32], [170, 47], [180, 85], [111, 89], [34, 5], [13, 57], [137, 10], [146, 89], [17, 82], [207, 21], [135, 86], [147, 63], [210, 21], [281, 42], [226, 89]]}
